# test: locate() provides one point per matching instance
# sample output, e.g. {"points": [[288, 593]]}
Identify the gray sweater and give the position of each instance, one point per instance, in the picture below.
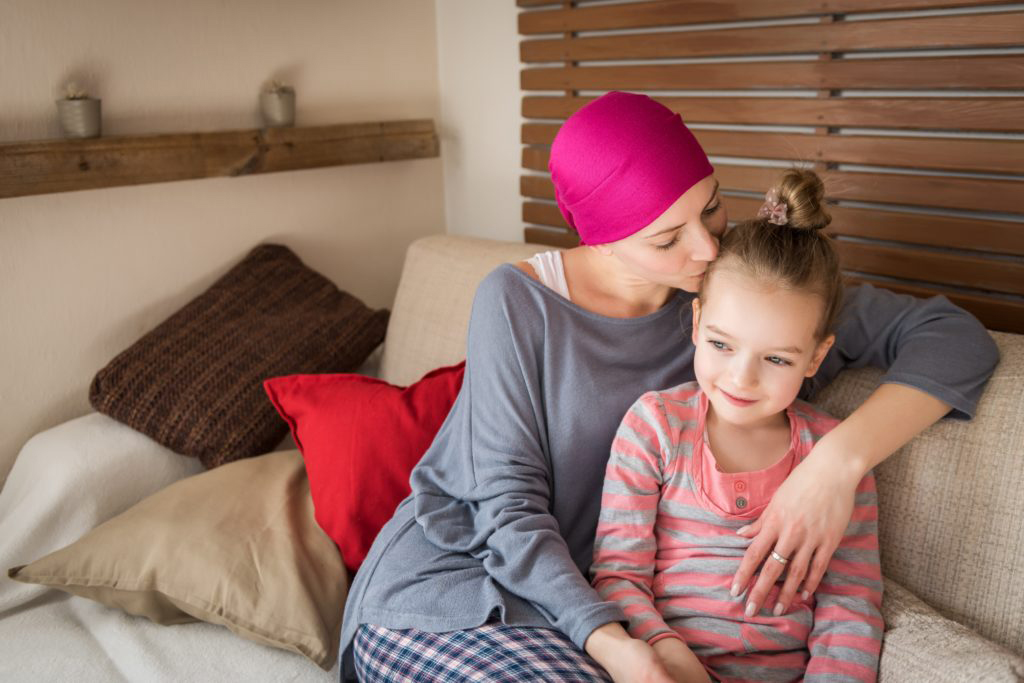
{"points": [[504, 503]]}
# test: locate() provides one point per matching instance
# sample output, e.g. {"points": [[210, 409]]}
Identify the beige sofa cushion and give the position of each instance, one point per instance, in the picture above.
{"points": [[431, 312], [921, 646], [951, 526]]}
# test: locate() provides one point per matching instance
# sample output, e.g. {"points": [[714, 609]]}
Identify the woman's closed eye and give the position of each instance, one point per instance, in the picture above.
{"points": [[670, 244], [675, 238]]}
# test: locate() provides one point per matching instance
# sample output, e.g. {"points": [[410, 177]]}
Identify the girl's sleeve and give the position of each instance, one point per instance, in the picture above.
{"points": [[484, 486], [928, 344], [625, 548], [846, 639]]}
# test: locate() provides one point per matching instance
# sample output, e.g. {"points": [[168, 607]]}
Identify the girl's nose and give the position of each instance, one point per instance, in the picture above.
{"points": [[743, 373]]}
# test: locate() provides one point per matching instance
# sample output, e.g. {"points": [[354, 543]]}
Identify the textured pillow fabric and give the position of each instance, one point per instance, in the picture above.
{"points": [[922, 646], [194, 382], [236, 546], [360, 438]]}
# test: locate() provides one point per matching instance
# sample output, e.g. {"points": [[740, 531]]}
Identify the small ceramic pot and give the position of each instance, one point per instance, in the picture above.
{"points": [[278, 107], [79, 118]]}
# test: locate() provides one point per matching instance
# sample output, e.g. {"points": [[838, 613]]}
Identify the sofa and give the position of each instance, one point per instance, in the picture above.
{"points": [[952, 532]]}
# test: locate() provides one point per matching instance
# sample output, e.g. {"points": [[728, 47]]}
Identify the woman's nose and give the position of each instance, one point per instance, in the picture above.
{"points": [[704, 245]]}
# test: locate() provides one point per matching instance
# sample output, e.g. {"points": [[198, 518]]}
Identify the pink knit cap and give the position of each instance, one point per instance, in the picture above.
{"points": [[619, 162]]}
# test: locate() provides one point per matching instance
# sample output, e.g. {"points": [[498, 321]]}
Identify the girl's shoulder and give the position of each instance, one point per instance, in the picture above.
{"points": [[816, 419], [681, 399]]}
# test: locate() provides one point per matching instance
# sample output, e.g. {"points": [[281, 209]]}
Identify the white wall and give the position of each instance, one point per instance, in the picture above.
{"points": [[478, 70], [84, 274]]}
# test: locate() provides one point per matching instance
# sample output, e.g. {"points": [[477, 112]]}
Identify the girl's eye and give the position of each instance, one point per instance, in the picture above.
{"points": [[668, 245], [718, 345], [775, 360]]}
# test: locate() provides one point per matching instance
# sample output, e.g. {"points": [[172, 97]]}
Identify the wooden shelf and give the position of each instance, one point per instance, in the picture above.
{"points": [[40, 167]]}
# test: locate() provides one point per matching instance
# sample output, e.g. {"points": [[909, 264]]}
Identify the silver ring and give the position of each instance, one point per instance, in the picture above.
{"points": [[779, 558]]}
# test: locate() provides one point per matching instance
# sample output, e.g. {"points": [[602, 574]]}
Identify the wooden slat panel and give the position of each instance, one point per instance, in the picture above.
{"points": [[681, 12], [885, 188], [979, 30], [968, 114], [996, 156], [29, 168], [994, 313], [938, 73]]}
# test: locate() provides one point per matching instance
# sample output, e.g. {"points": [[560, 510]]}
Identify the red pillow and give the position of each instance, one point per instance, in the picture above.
{"points": [[360, 438]]}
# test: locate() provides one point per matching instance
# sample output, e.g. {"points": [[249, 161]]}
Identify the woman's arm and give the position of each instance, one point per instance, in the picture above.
{"points": [[938, 359]]}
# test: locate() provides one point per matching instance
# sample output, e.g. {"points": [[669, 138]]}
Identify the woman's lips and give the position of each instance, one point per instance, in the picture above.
{"points": [[735, 400]]}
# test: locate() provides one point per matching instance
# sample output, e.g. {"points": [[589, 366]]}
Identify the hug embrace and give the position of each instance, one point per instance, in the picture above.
{"points": [[630, 486]]}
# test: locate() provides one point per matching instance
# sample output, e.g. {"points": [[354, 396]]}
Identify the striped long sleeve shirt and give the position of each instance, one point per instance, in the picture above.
{"points": [[666, 551]]}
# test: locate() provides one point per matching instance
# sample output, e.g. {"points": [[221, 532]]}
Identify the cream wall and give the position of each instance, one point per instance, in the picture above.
{"points": [[84, 274], [478, 64]]}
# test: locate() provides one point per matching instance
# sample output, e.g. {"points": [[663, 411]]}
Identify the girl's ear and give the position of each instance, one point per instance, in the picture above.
{"points": [[696, 320], [819, 354]]}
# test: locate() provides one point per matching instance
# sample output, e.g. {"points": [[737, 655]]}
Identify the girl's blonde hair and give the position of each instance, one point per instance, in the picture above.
{"points": [[797, 255]]}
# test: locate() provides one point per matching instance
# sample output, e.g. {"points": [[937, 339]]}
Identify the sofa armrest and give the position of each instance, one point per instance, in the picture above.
{"points": [[921, 645]]}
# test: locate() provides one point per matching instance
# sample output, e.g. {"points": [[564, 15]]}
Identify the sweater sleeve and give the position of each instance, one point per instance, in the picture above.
{"points": [[625, 548], [846, 639], [929, 344], [484, 486]]}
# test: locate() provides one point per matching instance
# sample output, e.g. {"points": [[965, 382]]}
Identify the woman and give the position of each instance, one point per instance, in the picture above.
{"points": [[480, 575]]}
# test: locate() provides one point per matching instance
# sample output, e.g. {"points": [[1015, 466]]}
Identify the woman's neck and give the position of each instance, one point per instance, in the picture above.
{"points": [[599, 284], [746, 448]]}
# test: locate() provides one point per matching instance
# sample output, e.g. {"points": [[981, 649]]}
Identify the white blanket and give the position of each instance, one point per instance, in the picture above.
{"points": [[65, 482]]}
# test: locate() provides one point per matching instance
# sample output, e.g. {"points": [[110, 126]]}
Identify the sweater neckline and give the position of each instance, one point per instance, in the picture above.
{"points": [[670, 305]]}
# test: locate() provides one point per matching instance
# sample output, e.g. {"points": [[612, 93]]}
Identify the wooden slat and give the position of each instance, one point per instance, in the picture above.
{"points": [[967, 114], [994, 156], [563, 239], [885, 188], [1005, 237], [978, 30], [30, 168], [942, 268], [933, 73], [993, 312], [682, 12]]}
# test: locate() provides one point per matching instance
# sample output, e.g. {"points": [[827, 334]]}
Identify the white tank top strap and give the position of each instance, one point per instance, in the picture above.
{"points": [[550, 270]]}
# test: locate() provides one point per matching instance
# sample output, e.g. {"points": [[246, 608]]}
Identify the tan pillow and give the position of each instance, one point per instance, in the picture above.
{"points": [[922, 646], [236, 546]]}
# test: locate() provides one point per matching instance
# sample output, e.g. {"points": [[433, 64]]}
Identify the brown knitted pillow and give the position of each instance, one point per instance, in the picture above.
{"points": [[194, 383]]}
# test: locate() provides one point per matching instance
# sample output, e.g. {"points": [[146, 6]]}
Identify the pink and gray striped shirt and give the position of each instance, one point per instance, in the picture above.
{"points": [[666, 551]]}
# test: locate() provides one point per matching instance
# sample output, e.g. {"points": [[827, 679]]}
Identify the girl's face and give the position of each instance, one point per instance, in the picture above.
{"points": [[755, 344], [676, 248]]}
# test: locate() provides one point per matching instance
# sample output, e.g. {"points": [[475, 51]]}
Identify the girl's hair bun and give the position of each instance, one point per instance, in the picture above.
{"points": [[804, 195]]}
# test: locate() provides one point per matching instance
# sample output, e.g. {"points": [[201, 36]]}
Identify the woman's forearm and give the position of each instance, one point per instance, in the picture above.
{"points": [[890, 417]]}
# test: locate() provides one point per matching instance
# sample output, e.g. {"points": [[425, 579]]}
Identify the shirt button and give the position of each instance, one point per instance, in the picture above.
{"points": [[740, 486], [741, 502]]}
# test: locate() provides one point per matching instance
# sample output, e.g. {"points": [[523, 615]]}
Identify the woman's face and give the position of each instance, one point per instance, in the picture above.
{"points": [[676, 248]]}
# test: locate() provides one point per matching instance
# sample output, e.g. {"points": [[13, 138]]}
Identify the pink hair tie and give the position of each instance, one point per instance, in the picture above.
{"points": [[774, 209]]}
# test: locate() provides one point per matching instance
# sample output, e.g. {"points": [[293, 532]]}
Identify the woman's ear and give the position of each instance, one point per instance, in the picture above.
{"points": [[696, 319], [819, 354]]}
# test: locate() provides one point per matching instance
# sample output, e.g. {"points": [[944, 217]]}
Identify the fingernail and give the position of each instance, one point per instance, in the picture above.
{"points": [[806, 595], [750, 609], [735, 590], [742, 529], [778, 609]]}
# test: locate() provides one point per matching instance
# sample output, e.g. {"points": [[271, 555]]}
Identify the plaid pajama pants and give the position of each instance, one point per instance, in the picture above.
{"points": [[493, 652]]}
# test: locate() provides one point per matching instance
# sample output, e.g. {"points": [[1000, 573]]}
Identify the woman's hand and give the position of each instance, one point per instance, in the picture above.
{"points": [[682, 664], [804, 522], [626, 659]]}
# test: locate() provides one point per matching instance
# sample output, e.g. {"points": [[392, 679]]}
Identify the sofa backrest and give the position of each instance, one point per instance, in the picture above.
{"points": [[952, 526]]}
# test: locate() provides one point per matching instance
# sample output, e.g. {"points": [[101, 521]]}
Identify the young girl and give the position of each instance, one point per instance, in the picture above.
{"points": [[693, 464]]}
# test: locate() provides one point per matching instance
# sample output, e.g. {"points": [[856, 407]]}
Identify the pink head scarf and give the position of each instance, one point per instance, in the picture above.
{"points": [[619, 162]]}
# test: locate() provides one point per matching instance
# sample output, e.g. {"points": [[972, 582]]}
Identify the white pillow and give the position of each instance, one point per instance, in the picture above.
{"points": [[69, 479]]}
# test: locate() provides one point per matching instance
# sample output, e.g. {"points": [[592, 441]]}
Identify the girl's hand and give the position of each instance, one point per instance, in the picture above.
{"points": [[804, 522], [682, 664], [626, 659]]}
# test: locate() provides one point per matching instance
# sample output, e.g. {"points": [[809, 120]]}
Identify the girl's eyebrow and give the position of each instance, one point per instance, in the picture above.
{"points": [[676, 227], [785, 349]]}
